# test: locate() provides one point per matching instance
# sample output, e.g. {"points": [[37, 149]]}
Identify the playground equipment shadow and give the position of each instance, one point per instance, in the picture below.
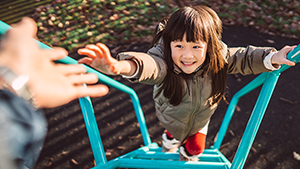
{"points": [[275, 147]]}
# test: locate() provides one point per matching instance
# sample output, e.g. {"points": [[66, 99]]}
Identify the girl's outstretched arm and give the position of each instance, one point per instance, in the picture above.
{"points": [[100, 58]]}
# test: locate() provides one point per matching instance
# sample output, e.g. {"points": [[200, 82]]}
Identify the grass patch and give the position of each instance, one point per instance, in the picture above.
{"points": [[75, 23]]}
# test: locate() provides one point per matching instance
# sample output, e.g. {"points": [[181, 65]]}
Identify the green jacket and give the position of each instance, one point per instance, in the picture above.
{"points": [[194, 112]]}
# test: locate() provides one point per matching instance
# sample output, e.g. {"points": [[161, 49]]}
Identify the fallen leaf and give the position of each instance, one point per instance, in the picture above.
{"points": [[121, 147], [296, 156], [74, 161], [238, 109], [288, 101], [108, 152], [49, 164], [50, 23], [134, 137], [60, 25], [270, 41], [126, 12], [63, 153], [231, 133], [89, 33], [224, 145], [253, 149]]}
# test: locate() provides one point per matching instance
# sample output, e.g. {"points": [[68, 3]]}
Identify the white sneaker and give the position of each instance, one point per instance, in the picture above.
{"points": [[168, 145], [184, 157]]}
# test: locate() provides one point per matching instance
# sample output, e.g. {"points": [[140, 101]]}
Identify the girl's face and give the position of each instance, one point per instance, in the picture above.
{"points": [[188, 56]]}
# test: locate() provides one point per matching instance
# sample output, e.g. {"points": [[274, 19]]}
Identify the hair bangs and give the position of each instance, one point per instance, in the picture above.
{"points": [[195, 31], [186, 21], [176, 30]]}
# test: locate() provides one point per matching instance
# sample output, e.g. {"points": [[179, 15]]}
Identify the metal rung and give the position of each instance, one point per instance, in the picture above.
{"points": [[142, 163], [175, 156]]}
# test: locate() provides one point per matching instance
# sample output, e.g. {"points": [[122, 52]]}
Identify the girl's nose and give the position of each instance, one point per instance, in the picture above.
{"points": [[188, 54]]}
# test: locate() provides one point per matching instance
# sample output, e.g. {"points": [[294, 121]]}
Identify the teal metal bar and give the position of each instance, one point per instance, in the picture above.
{"points": [[174, 156], [92, 129], [232, 105], [3, 28], [259, 111], [254, 121], [159, 164], [208, 155], [112, 164], [141, 157]]}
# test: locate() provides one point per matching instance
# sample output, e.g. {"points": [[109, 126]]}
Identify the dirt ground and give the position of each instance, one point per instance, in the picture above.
{"points": [[278, 139]]}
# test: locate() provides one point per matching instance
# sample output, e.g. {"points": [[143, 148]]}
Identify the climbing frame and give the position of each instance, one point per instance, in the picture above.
{"points": [[150, 155]]}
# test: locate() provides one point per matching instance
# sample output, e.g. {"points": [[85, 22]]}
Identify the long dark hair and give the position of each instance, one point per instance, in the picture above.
{"points": [[199, 23]]}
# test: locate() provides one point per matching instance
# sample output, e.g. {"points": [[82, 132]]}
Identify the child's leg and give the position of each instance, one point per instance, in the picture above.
{"points": [[169, 143], [194, 145]]}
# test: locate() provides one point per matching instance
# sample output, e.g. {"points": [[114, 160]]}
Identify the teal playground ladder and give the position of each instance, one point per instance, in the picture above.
{"points": [[150, 156]]}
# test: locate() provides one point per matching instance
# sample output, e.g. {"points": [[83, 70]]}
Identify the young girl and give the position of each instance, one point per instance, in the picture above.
{"points": [[187, 63]]}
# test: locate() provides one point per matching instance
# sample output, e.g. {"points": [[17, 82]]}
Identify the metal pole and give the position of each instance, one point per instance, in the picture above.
{"points": [[255, 121]]}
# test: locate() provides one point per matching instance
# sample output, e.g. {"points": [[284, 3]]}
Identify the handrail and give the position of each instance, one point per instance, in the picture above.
{"points": [[232, 105], [269, 80]]}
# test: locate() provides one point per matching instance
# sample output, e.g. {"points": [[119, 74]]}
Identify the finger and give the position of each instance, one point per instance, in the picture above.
{"points": [[96, 49], [291, 48], [85, 60], [287, 49], [290, 63], [98, 90], [66, 69], [90, 53], [105, 50], [89, 78], [56, 53], [27, 26], [21, 31]]}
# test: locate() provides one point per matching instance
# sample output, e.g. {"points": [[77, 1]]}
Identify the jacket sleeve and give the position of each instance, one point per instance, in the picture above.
{"points": [[152, 66], [247, 60]]}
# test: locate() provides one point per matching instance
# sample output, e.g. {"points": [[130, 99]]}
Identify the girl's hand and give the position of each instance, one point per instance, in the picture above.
{"points": [[280, 56], [100, 58]]}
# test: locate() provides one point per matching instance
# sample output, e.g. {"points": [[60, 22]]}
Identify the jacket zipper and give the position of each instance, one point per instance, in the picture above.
{"points": [[194, 79], [194, 102]]}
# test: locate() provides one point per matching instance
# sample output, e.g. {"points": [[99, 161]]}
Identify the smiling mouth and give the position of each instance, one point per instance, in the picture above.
{"points": [[188, 63]]}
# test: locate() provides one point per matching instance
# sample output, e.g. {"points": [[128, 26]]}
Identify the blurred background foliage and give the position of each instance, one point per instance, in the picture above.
{"points": [[74, 23]]}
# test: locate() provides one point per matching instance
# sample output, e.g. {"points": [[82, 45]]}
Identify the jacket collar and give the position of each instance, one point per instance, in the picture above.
{"points": [[177, 70]]}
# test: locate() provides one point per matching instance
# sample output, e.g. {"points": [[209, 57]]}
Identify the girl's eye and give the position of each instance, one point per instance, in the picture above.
{"points": [[196, 47], [179, 46]]}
